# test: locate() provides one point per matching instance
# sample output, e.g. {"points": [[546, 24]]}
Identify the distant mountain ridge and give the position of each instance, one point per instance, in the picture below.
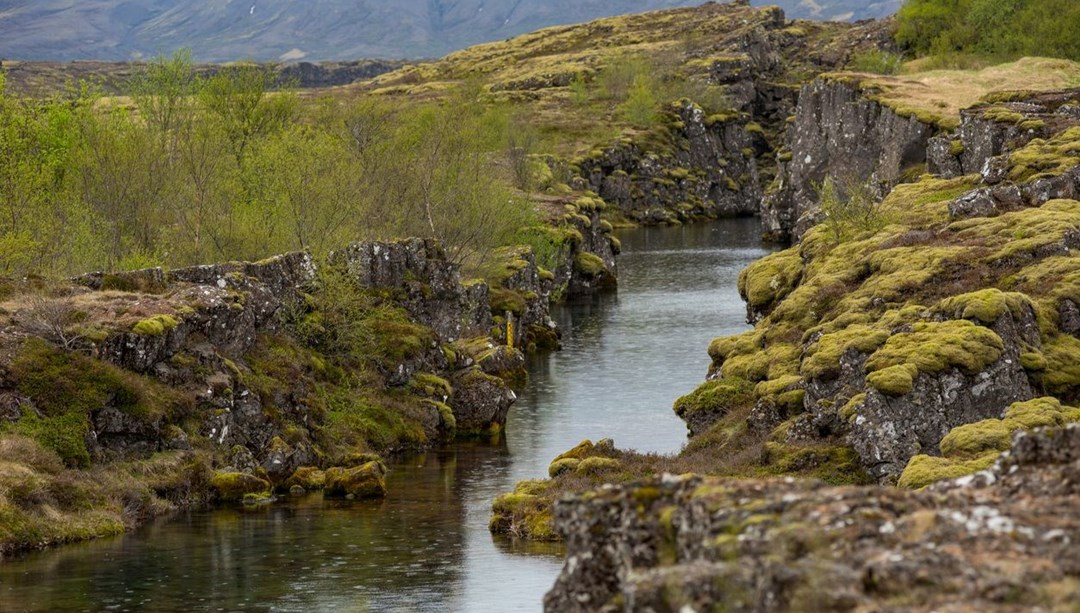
{"points": [[284, 30]]}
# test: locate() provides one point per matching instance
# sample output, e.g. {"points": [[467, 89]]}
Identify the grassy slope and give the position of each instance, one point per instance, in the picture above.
{"points": [[534, 71], [937, 96]]}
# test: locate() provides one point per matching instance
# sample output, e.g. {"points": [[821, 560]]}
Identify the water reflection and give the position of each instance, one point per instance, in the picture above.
{"points": [[426, 547]]}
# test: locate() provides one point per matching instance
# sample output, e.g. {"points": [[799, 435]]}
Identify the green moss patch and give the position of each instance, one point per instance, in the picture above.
{"points": [[1061, 374], [922, 470], [524, 513], [935, 347], [768, 280], [973, 447], [578, 452], [895, 380], [67, 387], [986, 306], [233, 487], [156, 325], [833, 464], [1046, 157], [597, 466], [823, 357], [717, 397], [1021, 234], [755, 363], [589, 264], [503, 300], [308, 478]]}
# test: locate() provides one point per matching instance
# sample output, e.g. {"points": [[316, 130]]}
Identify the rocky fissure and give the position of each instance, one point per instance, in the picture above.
{"points": [[839, 133]]}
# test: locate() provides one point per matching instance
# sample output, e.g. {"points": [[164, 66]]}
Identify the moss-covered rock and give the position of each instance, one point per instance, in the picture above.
{"points": [[361, 482], [524, 513], [895, 380], [309, 478], [934, 347], [822, 359], [770, 279], [712, 400], [589, 264], [156, 325], [923, 470], [986, 305], [597, 465], [973, 447], [233, 486], [561, 466], [976, 439]]}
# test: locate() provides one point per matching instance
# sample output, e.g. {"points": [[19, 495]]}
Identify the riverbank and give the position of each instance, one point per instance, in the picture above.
{"points": [[427, 543], [134, 394]]}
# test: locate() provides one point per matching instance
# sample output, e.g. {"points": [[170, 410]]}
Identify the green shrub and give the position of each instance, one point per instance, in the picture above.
{"points": [[877, 61], [850, 208]]}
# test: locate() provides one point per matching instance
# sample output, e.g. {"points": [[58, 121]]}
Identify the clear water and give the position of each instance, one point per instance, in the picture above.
{"points": [[626, 357]]}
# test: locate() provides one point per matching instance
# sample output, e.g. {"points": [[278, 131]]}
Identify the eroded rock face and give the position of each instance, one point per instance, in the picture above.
{"points": [[1000, 196], [990, 129], [1002, 539], [890, 431], [430, 286], [711, 173], [841, 134], [887, 430], [480, 401]]}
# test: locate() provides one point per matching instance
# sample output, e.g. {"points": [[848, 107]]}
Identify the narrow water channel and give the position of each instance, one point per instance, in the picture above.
{"points": [[626, 357]]}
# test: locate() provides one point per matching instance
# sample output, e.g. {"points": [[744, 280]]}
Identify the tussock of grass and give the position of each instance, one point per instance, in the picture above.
{"points": [[43, 504]]}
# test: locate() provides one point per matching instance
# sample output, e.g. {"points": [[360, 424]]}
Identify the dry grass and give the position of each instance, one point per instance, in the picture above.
{"points": [[43, 504], [939, 95]]}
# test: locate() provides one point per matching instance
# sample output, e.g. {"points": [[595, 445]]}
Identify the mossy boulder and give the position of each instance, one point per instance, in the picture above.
{"points": [[987, 305], [597, 465], [308, 478], [973, 447], [712, 400], [923, 470], [822, 359], [156, 325], [977, 438], [565, 465], [578, 452], [769, 280], [234, 486], [895, 380], [524, 513], [937, 346], [589, 264], [361, 482]]}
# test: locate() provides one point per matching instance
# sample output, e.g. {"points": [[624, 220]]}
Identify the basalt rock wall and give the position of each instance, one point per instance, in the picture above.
{"points": [[841, 134]]}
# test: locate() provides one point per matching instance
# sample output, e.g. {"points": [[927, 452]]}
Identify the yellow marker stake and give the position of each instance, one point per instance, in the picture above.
{"points": [[509, 329]]}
